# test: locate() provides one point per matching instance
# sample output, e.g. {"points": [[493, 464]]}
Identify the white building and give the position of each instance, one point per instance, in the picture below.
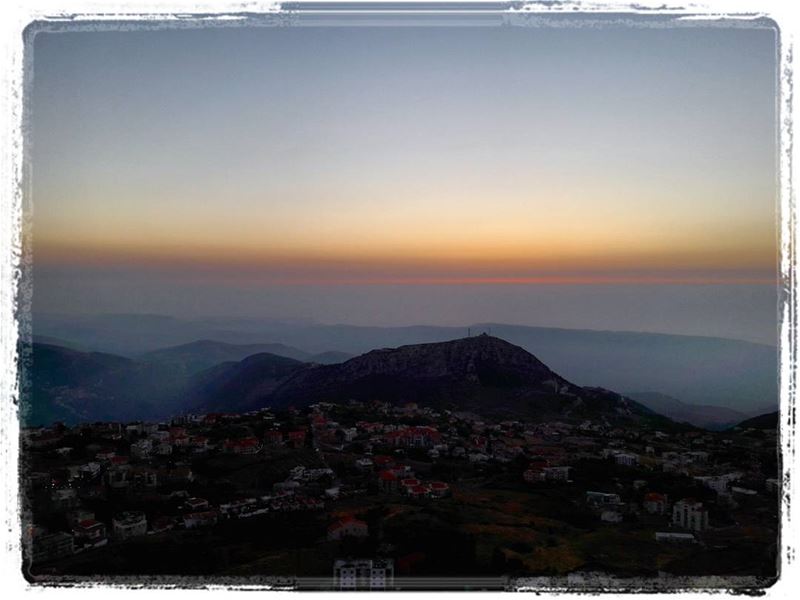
{"points": [[626, 459], [142, 449], [697, 456], [690, 514], [363, 574], [719, 483], [556, 473]]}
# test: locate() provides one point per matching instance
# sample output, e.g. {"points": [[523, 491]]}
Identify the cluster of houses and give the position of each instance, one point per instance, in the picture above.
{"points": [[551, 450], [381, 442], [143, 461], [687, 514]]}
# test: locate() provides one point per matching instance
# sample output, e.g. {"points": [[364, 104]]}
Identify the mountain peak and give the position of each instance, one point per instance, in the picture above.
{"points": [[479, 371], [481, 355]]}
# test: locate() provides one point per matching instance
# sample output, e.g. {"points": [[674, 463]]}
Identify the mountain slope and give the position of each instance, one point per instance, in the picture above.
{"points": [[239, 386], [766, 421], [329, 358], [68, 385]]}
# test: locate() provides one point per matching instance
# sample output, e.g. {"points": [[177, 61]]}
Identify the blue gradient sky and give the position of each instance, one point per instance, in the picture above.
{"points": [[297, 163]]}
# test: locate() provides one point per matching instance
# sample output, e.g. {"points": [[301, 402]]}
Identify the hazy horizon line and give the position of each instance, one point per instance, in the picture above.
{"points": [[316, 323]]}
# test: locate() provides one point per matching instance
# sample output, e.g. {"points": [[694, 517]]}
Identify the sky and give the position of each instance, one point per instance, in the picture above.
{"points": [[613, 177]]}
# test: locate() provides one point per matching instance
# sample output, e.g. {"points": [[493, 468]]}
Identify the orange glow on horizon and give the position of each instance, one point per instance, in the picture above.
{"points": [[690, 266]]}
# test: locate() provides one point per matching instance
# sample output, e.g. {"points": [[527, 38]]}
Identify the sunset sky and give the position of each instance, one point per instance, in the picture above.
{"points": [[360, 162]]}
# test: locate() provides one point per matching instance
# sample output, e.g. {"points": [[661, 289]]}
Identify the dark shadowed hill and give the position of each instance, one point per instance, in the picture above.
{"points": [[61, 384], [767, 421], [240, 386], [419, 372]]}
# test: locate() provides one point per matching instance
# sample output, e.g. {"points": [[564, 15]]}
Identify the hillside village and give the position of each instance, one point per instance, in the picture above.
{"points": [[366, 494]]}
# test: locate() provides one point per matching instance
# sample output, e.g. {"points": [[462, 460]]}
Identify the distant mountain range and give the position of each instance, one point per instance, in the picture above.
{"points": [[482, 374], [703, 371], [707, 417], [203, 354]]}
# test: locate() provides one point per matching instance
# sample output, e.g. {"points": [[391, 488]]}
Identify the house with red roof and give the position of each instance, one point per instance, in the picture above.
{"points": [[347, 526], [387, 481], [438, 489], [655, 504], [407, 484], [91, 532], [119, 460]]}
